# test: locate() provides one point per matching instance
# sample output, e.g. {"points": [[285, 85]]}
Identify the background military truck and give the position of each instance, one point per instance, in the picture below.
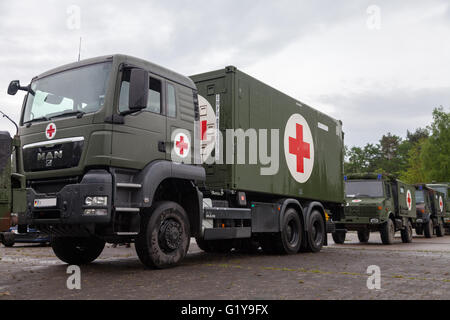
{"points": [[377, 202], [430, 208], [444, 187], [111, 153], [12, 188]]}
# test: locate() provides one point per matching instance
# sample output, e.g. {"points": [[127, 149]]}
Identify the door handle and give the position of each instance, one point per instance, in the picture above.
{"points": [[161, 146]]}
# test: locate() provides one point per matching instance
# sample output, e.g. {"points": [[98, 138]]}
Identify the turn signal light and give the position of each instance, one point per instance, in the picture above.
{"points": [[422, 210], [380, 208]]}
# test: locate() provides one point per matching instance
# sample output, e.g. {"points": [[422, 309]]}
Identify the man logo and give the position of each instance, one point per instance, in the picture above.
{"points": [[49, 156]]}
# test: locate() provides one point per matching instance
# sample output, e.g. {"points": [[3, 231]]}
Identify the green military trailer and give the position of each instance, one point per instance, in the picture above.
{"points": [[444, 188], [430, 211], [12, 188], [377, 203], [113, 150]]}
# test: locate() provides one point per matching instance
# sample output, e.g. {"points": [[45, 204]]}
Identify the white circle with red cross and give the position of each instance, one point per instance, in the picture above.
{"points": [[441, 204], [299, 148], [408, 199], [207, 128], [181, 145], [50, 131]]}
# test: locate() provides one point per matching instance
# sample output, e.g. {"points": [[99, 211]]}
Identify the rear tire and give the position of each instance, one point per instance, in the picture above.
{"points": [[428, 229], [387, 232], [8, 239], [316, 234], [406, 233], [364, 236], [289, 240], [419, 230], [164, 237], [339, 237], [440, 230], [77, 251]]}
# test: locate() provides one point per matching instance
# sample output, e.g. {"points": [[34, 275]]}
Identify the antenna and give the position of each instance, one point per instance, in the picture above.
{"points": [[79, 50]]}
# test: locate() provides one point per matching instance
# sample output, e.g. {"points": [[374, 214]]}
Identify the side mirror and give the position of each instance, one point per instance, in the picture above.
{"points": [[14, 86], [138, 93]]}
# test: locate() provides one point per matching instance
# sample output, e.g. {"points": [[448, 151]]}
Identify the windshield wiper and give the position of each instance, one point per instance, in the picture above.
{"points": [[28, 123], [77, 113]]}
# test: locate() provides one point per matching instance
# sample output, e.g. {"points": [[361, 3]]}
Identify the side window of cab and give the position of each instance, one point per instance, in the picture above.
{"points": [[154, 100], [388, 190], [171, 101]]}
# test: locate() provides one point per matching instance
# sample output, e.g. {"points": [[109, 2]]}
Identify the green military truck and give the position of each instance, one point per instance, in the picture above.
{"points": [[430, 211], [112, 152], [377, 203], [444, 188], [12, 188]]}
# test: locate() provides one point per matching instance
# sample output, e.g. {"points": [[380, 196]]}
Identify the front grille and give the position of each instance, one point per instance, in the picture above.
{"points": [[59, 156]]}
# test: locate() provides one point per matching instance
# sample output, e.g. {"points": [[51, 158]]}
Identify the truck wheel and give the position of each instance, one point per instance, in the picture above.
{"points": [[364, 236], [419, 230], [316, 234], [8, 239], [406, 233], [440, 230], [428, 229], [77, 250], [164, 237], [387, 232], [289, 240], [339, 237]]}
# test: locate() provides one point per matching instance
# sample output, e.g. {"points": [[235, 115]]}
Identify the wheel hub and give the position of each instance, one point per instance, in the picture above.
{"points": [[170, 235]]}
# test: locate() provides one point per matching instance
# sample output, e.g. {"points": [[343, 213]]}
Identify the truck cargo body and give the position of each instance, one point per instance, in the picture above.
{"points": [[246, 103]]}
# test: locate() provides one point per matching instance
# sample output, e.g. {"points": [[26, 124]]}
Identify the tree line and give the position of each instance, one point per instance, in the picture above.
{"points": [[423, 156]]}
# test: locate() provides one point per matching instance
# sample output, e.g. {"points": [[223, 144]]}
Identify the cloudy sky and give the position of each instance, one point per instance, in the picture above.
{"points": [[378, 66]]}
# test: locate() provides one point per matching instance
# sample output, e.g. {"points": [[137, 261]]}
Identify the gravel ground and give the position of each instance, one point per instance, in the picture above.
{"points": [[420, 270]]}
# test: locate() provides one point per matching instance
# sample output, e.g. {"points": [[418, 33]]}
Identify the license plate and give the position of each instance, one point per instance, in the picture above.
{"points": [[45, 203]]}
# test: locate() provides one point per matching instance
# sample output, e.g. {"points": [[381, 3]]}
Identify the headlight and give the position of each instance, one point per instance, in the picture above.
{"points": [[96, 201]]}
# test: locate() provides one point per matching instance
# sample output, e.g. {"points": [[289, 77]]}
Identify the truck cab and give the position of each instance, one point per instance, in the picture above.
{"points": [[376, 203]]}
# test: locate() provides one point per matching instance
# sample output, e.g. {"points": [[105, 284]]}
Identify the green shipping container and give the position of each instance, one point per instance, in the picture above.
{"points": [[310, 153]]}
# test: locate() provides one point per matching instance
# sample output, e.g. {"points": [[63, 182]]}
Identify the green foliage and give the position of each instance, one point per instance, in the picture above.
{"points": [[424, 155]]}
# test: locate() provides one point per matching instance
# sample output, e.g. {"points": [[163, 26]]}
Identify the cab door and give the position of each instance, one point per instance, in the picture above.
{"points": [[181, 132], [141, 138]]}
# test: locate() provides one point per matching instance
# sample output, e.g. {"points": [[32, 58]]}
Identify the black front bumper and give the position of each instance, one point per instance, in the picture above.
{"points": [[70, 202]]}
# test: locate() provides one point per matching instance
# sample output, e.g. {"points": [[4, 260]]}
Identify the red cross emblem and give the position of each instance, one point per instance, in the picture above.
{"points": [[299, 148], [204, 126], [409, 199], [441, 204], [182, 145], [50, 131]]}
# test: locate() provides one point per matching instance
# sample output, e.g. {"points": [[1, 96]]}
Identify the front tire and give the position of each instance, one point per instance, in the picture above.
{"points": [[419, 230], [387, 232], [364, 236], [407, 233], [339, 237], [8, 239], [164, 237], [77, 251]]}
